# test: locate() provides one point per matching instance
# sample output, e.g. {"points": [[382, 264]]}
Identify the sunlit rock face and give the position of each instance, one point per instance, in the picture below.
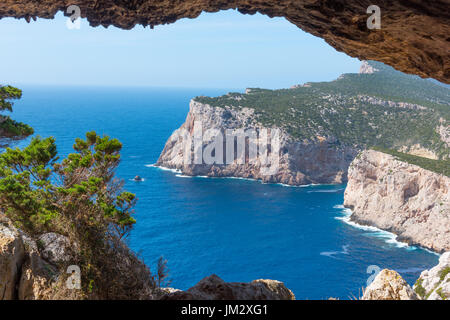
{"points": [[413, 37], [396, 196], [389, 285]]}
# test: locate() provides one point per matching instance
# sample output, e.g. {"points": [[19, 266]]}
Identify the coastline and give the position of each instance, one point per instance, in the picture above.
{"points": [[388, 236], [180, 174]]}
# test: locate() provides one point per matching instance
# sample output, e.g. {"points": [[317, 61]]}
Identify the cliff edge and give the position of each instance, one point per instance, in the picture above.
{"points": [[399, 197], [298, 162]]}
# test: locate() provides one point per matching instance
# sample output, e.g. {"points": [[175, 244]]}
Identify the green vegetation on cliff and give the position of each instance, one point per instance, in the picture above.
{"points": [[386, 108], [438, 166], [10, 128]]}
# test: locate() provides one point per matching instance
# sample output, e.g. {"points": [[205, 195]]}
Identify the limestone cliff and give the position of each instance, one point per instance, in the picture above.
{"points": [[396, 196], [321, 160]]}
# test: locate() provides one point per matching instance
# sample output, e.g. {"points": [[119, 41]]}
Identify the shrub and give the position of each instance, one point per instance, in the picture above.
{"points": [[80, 198]]}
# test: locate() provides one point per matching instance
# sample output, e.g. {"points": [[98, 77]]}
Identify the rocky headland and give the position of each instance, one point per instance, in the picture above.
{"points": [[319, 127], [319, 160], [400, 197]]}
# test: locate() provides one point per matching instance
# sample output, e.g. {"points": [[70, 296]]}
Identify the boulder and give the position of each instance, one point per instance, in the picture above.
{"points": [[37, 275], [214, 288], [54, 247], [389, 285]]}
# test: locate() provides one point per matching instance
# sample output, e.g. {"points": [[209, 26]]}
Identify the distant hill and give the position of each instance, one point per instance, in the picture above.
{"points": [[379, 107]]}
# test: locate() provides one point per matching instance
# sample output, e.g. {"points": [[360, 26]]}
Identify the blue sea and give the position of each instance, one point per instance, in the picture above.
{"points": [[239, 229]]}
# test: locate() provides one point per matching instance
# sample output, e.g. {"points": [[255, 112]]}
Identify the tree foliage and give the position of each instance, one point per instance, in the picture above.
{"points": [[8, 93], [10, 128], [80, 198]]}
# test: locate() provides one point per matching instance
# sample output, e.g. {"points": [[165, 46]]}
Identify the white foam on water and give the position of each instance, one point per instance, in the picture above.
{"points": [[387, 236], [163, 168], [326, 191], [183, 176], [142, 180], [180, 174], [332, 254]]}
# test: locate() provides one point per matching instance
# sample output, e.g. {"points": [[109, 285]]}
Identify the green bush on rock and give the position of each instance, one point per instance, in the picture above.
{"points": [[80, 198], [10, 128]]}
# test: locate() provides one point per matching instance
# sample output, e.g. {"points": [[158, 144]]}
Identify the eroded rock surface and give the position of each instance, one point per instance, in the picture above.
{"points": [[214, 288], [389, 285], [405, 199], [24, 273], [54, 247], [413, 37], [12, 255]]}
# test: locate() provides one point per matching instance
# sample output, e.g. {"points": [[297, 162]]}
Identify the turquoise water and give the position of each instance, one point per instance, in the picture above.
{"points": [[238, 229]]}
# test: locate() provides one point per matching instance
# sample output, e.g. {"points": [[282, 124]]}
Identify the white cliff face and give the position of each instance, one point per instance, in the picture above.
{"points": [[434, 284], [296, 163], [366, 68], [405, 199]]}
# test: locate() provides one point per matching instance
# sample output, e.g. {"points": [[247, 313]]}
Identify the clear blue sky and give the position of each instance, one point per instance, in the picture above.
{"points": [[218, 50]]}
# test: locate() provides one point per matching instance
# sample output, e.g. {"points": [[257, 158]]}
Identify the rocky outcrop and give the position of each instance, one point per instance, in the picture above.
{"points": [[38, 276], [12, 255], [54, 247], [421, 49], [366, 68], [214, 288], [24, 273], [292, 162], [389, 285], [405, 199], [434, 284]]}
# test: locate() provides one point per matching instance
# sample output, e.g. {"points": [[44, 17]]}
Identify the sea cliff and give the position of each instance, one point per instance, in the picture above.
{"points": [[400, 197], [317, 160]]}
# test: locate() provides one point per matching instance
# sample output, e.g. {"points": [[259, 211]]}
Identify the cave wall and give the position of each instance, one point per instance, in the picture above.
{"points": [[414, 35]]}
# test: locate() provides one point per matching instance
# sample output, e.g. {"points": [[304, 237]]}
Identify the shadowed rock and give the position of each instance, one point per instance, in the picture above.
{"points": [[214, 288]]}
